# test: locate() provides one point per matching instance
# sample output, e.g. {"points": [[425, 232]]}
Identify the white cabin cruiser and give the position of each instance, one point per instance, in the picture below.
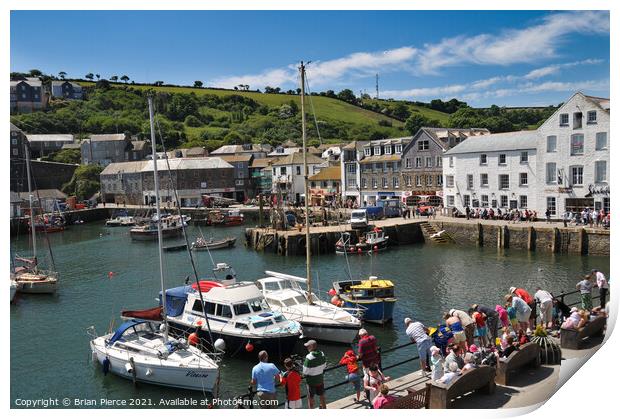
{"points": [[138, 351], [319, 319], [121, 221], [237, 313]]}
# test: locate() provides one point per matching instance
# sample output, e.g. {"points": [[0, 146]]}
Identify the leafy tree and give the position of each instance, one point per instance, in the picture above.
{"points": [[85, 181], [159, 83], [347, 95], [35, 73], [125, 78], [98, 76], [90, 76], [192, 121], [68, 156], [114, 78], [62, 74], [102, 84], [401, 111], [198, 83], [415, 122]]}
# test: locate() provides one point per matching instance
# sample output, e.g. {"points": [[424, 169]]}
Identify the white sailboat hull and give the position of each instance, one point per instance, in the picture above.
{"points": [[46, 286], [152, 370], [13, 290]]}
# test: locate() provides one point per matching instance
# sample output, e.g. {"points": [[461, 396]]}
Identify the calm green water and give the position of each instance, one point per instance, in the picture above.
{"points": [[50, 356]]}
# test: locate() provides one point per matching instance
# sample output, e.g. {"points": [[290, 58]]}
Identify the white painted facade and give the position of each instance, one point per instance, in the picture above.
{"points": [[567, 165], [288, 179]]}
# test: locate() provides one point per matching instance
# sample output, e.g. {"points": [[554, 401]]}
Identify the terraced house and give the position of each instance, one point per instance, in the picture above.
{"points": [[28, 95]]}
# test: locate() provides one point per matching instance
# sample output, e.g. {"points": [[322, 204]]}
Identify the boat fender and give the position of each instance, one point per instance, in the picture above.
{"points": [[249, 347], [128, 368], [332, 292], [106, 365], [94, 355], [162, 327], [220, 345], [335, 300], [193, 339]]}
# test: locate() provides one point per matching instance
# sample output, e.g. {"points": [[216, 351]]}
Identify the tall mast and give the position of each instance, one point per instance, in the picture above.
{"points": [[159, 233], [32, 226], [302, 70]]}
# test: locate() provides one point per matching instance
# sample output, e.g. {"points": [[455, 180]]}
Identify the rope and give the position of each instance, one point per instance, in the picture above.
{"points": [[316, 123]]}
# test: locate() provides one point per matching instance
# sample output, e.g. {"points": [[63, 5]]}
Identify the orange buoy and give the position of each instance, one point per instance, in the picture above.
{"points": [[193, 338], [332, 292], [335, 300], [249, 347]]}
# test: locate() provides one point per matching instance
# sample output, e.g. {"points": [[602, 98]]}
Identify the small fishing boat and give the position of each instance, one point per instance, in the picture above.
{"points": [[375, 295], [121, 221], [138, 351], [227, 218], [170, 227], [49, 223], [175, 248], [211, 244], [372, 241]]}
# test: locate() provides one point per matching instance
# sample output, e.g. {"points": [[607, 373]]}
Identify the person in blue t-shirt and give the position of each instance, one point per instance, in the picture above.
{"points": [[264, 377]]}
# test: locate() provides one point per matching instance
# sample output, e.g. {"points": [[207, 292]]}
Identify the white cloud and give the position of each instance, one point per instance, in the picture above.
{"points": [[275, 77], [554, 69], [426, 92]]}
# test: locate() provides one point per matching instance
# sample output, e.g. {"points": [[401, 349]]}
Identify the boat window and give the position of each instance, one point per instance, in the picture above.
{"points": [[289, 302], [223, 311], [242, 308], [301, 299], [279, 319], [259, 305], [264, 323], [197, 306], [210, 308], [274, 302], [243, 326], [271, 286]]}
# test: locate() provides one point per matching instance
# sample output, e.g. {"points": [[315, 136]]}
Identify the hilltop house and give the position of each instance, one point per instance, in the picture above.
{"points": [[66, 90], [27, 95]]}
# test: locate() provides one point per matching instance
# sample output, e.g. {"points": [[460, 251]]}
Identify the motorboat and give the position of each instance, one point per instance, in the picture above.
{"points": [[319, 319], [138, 351], [211, 244], [186, 218], [372, 241], [121, 221], [170, 226], [142, 349], [48, 223], [375, 295], [226, 218], [237, 313]]}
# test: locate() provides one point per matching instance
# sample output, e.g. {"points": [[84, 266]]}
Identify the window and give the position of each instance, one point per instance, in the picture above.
{"points": [[223, 311], [395, 182], [524, 157], [439, 162], [551, 204], [522, 179], [484, 179], [552, 144], [408, 163], [522, 201], [422, 145], [600, 171], [451, 161], [439, 180], [450, 200], [591, 117], [384, 182], [551, 174], [351, 168], [601, 141], [351, 182], [418, 180], [494, 203], [377, 150], [576, 144], [576, 175], [398, 148], [483, 159], [387, 149], [470, 181], [577, 120], [238, 182], [386, 166], [449, 181], [408, 180], [429, 180], [298, 170], [374, 183], [502, 159], [14, 141], [564, 120], [485, 200], [377, 167], [504, 181], [282, 170], [418, 162], [429, 162], [364, 183], [367, 151], [466, 200], [503, 201], [241, 308]]}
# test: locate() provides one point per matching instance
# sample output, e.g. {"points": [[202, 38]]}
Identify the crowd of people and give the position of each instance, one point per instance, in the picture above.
{"points": [[587, 217], [511, 215], [466, 339]]}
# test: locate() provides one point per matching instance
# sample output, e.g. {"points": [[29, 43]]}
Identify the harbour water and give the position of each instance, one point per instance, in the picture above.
{"points": [[49, 346]]}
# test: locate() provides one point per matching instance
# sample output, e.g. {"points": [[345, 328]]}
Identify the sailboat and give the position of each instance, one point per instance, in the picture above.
{"points": [[142, 350], [319, 319], [29, 278]]}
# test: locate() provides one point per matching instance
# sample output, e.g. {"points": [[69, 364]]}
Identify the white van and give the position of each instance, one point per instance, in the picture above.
{"points": [[359, 219]]}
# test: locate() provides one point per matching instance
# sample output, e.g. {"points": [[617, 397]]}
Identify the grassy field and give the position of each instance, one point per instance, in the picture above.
{"points": [[429, 113], [326, 108]]}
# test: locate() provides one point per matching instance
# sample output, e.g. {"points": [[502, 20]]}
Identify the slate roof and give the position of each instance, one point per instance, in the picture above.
{"points": [[506, 141]]}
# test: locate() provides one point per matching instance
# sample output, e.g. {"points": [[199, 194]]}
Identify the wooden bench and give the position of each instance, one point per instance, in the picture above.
{"points": [[482, 378], [573, 339], [527, 355], [415, 399]]}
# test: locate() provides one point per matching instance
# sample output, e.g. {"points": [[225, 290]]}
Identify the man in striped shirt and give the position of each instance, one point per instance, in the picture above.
{"points": [[314, 365]]}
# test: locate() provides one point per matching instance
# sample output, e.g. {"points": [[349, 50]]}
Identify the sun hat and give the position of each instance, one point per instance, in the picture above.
{"points": [[362, 332], [512, 289], [408, 320], [311, 342]]}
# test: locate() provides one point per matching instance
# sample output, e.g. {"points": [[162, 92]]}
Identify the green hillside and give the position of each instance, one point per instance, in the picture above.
{"points": [[413, 109]]}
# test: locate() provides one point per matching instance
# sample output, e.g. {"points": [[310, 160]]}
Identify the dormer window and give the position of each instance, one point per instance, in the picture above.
{"points": [[377, 150], [367, 152], [387, 149], [398, 149]]}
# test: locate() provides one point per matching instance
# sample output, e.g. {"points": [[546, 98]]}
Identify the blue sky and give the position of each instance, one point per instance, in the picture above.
{"points": [[509, 58]]}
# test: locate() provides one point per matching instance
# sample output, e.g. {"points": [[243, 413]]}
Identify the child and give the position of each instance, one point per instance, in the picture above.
{"points": [[523, 339], [350, 360], [373, 380], [481, 327], [436, 363], [503, 342], [383, 397], [291, 380], [512, 316], [503, 315]]}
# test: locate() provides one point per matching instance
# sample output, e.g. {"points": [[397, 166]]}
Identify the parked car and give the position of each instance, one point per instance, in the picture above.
{"points": [[359, 218]]}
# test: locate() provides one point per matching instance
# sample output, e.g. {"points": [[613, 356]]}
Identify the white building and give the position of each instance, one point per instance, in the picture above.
{"points": [[496, 170], [288, 175], [562, 165], [575, 160]]}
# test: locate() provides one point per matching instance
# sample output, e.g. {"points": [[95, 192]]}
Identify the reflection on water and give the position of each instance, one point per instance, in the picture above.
{"points": [[429, 280]]}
